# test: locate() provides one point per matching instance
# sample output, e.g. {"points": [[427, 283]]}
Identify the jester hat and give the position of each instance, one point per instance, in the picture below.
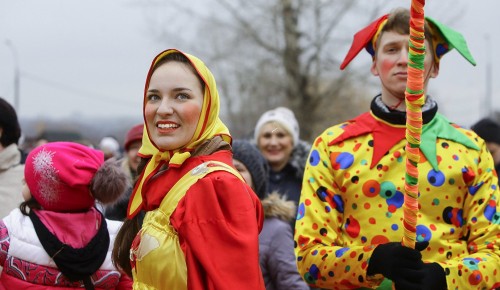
{"points": [[209, 125], [444, 40]]}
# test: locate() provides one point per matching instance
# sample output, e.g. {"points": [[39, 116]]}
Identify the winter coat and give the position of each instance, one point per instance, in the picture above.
{"points": [[26, 265], [217, 222], [11, 176], [353, 193], [277, 259]]}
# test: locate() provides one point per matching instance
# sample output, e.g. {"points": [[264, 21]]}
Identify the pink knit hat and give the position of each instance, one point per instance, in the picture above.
{"points": [[67, 177]]}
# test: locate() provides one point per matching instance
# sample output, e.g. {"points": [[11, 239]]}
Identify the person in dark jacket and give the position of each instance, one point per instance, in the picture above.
{"points": [[276, 135], [129, 163], [277, 259]]}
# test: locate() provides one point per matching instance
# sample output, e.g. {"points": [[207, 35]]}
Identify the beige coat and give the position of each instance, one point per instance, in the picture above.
{"points": [[11, 176]]}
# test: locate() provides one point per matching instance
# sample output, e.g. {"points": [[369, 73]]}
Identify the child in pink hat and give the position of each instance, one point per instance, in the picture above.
{"points": [[57, 239]]}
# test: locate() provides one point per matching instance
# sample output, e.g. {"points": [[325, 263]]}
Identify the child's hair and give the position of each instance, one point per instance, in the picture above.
{"points": [[69, 177], [29, 204]]}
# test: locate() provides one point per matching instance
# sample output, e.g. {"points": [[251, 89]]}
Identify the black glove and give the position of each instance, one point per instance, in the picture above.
{"points": [[434, 277], [401, 264], [405, 268]]}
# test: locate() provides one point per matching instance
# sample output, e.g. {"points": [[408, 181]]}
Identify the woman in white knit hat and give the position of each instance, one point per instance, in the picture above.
{"points": [[276, 135]]}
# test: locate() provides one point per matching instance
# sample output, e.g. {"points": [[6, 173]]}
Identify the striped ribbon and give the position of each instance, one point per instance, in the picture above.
{"points": [[414, 100]]}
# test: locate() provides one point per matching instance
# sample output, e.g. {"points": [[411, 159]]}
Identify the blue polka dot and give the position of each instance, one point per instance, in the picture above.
{"points": [[345, 160], [301, 211], [423, 233], [397, 200], [436, 178], [340, 252], [394, 227], [314, 158]]}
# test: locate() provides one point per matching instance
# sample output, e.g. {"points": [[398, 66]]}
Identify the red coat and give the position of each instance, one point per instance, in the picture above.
{"points": [[218, 223]]}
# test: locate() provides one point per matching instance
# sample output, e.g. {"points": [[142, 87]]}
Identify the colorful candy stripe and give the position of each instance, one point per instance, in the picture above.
{"points": [[414, 99]]}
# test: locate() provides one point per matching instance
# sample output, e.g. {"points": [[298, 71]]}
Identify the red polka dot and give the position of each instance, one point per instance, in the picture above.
{"points": [[379, 239], [372, 221], [433, 227], [367, 205], [307, 202], [392, 208], [371, 188], [475, 277]]}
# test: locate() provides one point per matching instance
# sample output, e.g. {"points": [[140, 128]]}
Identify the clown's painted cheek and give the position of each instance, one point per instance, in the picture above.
{"points": [[386, 66]]}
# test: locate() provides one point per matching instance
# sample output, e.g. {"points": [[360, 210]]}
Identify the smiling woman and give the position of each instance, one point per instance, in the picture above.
{"points": [[173, 103], [277, 137], [209, 216]]}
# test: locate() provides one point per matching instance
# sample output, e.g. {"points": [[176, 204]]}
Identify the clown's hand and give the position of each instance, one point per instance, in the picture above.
{"points": [[434, 277], [404, 266], [401, 264]]}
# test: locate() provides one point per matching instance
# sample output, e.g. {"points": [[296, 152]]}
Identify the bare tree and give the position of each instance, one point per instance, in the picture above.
{"points": [[284, 54], [266, 54]]}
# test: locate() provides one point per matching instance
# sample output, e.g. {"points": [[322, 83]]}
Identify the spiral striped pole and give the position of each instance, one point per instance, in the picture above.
{"points": [[414, 100]]}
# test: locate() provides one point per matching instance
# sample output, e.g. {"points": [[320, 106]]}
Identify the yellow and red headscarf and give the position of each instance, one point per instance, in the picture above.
{"points": [[209, 125]]}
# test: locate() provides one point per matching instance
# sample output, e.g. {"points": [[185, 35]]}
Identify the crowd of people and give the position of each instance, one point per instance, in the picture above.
{"points": [[181, 204]]}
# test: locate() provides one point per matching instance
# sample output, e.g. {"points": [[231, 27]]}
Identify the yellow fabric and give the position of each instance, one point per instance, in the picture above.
{"points": [[377, 34], [158, 238], [209, 125]]}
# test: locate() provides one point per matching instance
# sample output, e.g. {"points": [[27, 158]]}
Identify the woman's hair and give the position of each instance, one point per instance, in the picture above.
{"points": [[179, 57], [130, 227]]}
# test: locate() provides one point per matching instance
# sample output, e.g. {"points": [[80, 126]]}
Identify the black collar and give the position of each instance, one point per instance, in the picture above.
{"points": [[381, 111]]}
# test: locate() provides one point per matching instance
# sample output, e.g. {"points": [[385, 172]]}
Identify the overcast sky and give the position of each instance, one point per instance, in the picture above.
{"points": [[90, 57]]}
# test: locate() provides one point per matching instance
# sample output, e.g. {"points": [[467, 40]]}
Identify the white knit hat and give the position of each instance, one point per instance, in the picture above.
{"points": [[284, 117]]}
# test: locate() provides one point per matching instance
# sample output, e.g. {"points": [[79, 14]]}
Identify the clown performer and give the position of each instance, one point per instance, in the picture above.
{"points": [[202, 222], [349, 223]]}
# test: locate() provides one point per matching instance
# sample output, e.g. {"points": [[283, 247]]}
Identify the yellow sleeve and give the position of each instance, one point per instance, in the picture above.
{"points": [[480, 267], [322, 259]]}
